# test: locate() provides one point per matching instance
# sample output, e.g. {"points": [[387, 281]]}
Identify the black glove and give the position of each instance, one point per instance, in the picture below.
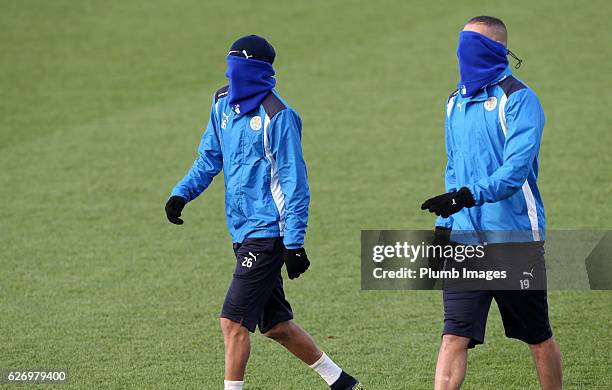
{"points": [[441, 236], [441, 239], [174, 206], [448, 204], [296, 262], [436, 260]]}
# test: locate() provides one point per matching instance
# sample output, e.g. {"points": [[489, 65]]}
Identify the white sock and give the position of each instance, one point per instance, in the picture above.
{"points": [[233, 385], [328, 370]]}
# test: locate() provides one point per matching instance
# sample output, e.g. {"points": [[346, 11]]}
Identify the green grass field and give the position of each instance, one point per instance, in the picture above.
{"points": [[102, 108]]}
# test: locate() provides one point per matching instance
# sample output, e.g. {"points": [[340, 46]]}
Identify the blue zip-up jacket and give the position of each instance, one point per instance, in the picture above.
{"points": [[266, 186], [492, 144]]}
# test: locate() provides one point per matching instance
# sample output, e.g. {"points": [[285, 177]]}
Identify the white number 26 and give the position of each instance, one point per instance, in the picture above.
{"points": [[249, 260]]}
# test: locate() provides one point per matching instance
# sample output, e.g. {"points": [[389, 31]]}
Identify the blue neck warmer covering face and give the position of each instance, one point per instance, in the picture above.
{"points": [[249, 83], [481, 61]]}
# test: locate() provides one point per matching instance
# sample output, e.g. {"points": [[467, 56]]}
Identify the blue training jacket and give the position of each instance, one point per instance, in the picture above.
{"points": [[260, 152], [492, 144]]}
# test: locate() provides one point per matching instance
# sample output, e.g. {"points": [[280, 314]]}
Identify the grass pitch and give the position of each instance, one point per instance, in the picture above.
{"points": [[102, 108]]}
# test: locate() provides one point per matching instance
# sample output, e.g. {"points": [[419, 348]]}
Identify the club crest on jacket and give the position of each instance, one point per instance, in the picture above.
{"points": [[490, 103], [255, 122]]}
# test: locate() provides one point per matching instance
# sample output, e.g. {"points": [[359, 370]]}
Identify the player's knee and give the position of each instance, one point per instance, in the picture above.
{"points": [[279, 332], [455, 342], [542, 346], [232, 329]]}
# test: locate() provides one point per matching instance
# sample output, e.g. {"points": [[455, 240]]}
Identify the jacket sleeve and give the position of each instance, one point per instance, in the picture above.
{"points": [[286, 149], [524, 120], [449, 174], [205, 167]]}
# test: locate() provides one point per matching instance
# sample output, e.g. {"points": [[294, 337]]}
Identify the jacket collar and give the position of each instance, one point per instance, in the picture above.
{"points": [[483, 95]]}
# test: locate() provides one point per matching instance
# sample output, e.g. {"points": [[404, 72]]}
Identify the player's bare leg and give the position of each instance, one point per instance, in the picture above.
{"points": [[547, 357], [291, 336], [297, 341], [237, 349], [452, 362]]}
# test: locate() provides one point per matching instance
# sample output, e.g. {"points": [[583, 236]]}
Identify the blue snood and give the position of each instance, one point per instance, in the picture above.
{"points": [[481, 61], [249, 83]]}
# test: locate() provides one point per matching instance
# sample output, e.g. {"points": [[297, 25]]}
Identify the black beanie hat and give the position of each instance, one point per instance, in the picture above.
{"points": [[253, 46]]}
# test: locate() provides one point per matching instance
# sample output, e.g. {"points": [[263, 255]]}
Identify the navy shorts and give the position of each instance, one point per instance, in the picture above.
{"points": [[255, 296], [524, 313]]}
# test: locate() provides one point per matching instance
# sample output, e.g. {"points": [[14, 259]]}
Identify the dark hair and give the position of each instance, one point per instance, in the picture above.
{"points": [[491, 21], [488, 20]]}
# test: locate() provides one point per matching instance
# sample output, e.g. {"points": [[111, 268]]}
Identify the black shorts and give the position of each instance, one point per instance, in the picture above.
{"points": [[524, 314], [255, 296]]}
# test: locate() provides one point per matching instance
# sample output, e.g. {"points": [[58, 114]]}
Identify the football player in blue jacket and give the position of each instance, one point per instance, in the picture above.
{"points": [[494, 125], [254, 136]]}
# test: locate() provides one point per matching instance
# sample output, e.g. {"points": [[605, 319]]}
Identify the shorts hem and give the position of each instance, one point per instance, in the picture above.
{"points": [[471, 344], [531, 340], [277, 321], [239, 320]]}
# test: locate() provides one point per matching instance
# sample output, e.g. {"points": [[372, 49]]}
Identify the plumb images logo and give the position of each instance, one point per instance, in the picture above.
{"points": [[430, 262], [486, 260]]}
